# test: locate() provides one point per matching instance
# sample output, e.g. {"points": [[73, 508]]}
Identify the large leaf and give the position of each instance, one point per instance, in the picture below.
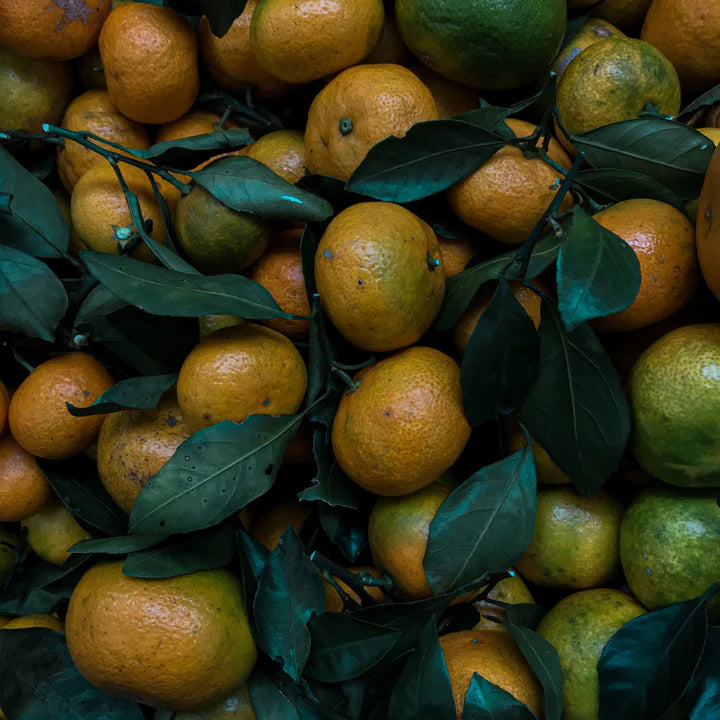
{"points": [[673, 154], [289, 592], [119, 545], [345, 647], [160, 291], [611, 185], [577, 409], [501, 358], [213, 474], [247, 185], [598, 273], [41, 682], [485, 701], [702, 697], [484, 525], [32, 299], [429, 158], [268, 700], [648, 663]]}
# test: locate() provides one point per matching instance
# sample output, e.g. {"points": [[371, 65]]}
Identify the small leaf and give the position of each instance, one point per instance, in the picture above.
{"points": [[320, 353], [702, 697], [501, 358], [269, 702], [598, 273], [345, 647], [308, 247], [160, 291], [213, 474], [246, 185], [648, 662], [577, 409], [32, 298], [484, 525], [345, 528], [220, 15], [120, 545], [289, 592], [485, 701], [253, 559], [710, 97], [41, 682], [140, 393], [99, 303]]}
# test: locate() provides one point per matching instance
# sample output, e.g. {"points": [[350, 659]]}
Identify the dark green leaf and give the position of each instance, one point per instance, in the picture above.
{"points": [[203, 550], [577, 409], [315, 712], [159, 291], [77, 484], [140, 393], [33, 222], [429, 158], [710, 97], [220, 15], [673, 154], [308, 247], [246, 185], [345, 647], [169, 258], [702, 697], [269, 702], [648, 663], [345, 528], [598, 273], [320, 353], [120, 545], [213, 474], [253, 559], [289, 592], [501, 358], [32, 299], [484, 525], [485, 701], [161, 714], [423, 688], [99, 303], [528, 615], [40, 681]]}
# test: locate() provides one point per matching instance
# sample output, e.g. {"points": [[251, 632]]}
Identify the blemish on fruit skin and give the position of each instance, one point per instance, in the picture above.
{"points": [[327, 253], [711, 372], [648, 571], [266, 402]]}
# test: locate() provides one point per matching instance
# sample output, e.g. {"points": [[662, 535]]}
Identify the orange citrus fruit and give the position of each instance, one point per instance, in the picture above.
{"points": [[333, 601], [626, 14], [270, 526], [456, 254], [591, 32], [390, 47], [708, 227], [52, 531], [512, 591], [210, 323], [195, 122], [450, 97], [24, 489], [283, 151]]}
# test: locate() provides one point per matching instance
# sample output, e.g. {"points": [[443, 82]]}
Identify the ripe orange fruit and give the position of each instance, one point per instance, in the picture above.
{"points": [[494, 656], [450, 97], [687, 32], [390, 47], [456, 254], [52, 531], [591, 32], [546, 470], [283, 151], [279, 271], [39, 419], [92, 111], [230, 60], [664, 241], [713, 133], [404, 425], [90, 70], [333, 601], [150, 57], [270, 526], [507, 196], [35, 621], [23, 488], [196, 122], [181, 642], [708, 227], [4, 404], [51, 30], [398, 535], [75, 245], [379, 274], [357, 109], [239, 371], [299, 40], [134, 444]]}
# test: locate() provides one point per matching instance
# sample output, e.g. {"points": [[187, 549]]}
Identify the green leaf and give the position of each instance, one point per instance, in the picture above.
{"points": [[485, 701], [220, 15], [460, 289], [120, 545], [169, 258], [431, 157], [673, 154], [246, 185], [99, 303], [320, 353], [577, 409], [501, 358], [423, 689], [140, 393], [269, 702], [41, 682], [77, 484], [289, 592], [32, 298], [598, 273], [203, 550], [159, 291], [484, 525], [32, 221], [611, 185], [253, 559], [345, 528], [710, 97], [308, 247], [213, 474], [345, 647], [648, 662], [702, 697]]}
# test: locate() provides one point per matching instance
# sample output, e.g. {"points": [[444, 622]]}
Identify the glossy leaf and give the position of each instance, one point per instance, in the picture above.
{"points": [[648, 663], [41, 682], [32, 298], [247, 185], [702, 697], [598, 273], [268, 700], [213, 474], [485, 701], [119, 545], [577, 409], [160, 291], [99, 303], [501, 358], [320, 354], [611, 185], [290, 591], [710, 97], [345, 647], [345, 528], [484, 525]]}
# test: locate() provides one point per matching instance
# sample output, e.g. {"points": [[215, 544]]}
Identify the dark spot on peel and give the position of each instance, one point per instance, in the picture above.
{"points": [[86, 393], [171, 421], [266, 402]]}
